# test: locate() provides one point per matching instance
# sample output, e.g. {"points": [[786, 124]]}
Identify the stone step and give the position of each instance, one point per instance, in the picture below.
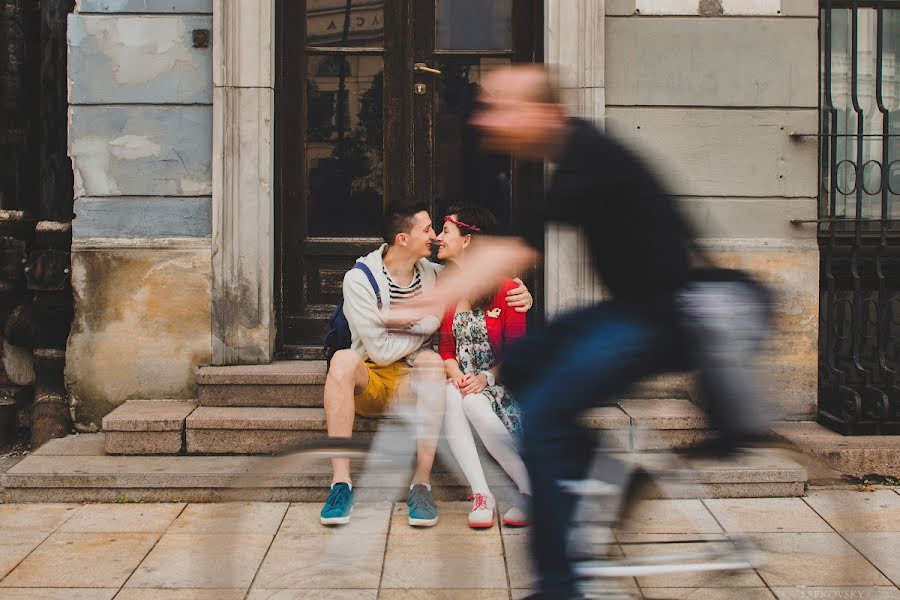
{"points": [[152, 427], [291, 383], [75, 469], [300, 384], [859, 456]]}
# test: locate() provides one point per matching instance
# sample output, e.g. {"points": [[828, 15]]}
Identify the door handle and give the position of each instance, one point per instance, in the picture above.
{"points": [[423, 68]]}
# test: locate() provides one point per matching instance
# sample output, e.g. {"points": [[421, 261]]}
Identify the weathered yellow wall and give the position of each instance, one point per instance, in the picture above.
{"points": [[142, 325], [790, 367]]}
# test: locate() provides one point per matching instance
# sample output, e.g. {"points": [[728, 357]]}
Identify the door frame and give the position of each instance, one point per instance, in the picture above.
{"points": [[243, 289], [401, 124]]}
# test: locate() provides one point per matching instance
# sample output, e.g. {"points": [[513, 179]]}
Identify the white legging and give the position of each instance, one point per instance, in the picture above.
{"points": [[476, 409]]}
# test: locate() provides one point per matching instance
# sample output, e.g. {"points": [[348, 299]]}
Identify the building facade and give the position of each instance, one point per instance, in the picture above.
{"points": [[232, 157]]}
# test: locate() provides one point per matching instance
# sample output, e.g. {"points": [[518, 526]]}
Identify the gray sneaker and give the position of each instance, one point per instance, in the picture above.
{"points": [[422, 510]]}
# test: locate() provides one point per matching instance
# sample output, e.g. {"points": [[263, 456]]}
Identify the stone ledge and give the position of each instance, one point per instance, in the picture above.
{"points": [[80, 478], [149, 415], [262, 394], [667, 413], [856, 456], [288, 372], [140, 443], [243, 418]]}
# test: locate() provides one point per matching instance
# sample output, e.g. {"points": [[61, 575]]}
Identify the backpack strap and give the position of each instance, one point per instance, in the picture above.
{"points": [[365, 269]]}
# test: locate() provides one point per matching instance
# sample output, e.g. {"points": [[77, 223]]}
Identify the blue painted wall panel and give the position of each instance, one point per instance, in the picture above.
{"points": [[142, 217], [141, 150], [138, 59], [147, 6]]}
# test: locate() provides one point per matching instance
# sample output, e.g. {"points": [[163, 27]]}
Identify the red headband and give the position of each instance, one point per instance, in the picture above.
{"points": [[462, 225]]}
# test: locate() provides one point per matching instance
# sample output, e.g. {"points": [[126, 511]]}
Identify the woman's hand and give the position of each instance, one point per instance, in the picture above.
{"points": [[459, 380], [474, 384]]}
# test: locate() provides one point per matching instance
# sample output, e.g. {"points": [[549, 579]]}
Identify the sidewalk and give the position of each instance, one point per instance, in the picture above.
{"points": [[830, 544]]}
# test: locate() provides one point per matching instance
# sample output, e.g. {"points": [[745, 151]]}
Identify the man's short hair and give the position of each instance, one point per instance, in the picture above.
{"points": [[399, 219]]}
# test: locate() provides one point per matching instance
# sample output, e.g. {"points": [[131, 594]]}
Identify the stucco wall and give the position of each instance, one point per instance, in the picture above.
{"points": [[710, 90], [140, 140]]}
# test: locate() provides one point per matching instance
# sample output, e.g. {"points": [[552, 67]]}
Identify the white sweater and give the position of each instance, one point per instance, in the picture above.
{"points": [[371, 339]]}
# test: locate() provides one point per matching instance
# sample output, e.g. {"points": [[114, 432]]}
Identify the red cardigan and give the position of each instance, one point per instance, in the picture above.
{"points": [[502, 330]]}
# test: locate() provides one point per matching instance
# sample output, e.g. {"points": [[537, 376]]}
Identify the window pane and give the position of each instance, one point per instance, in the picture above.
{"points": [[345, 23], [462, 174], [862, 161], [473, 24], [344, 145]]}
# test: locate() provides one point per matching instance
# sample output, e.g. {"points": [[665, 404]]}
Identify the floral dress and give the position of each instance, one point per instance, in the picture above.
{"points": [[474, 354]]}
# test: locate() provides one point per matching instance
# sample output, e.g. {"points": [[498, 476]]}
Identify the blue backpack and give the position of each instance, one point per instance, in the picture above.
{"points": [[337, 335]]}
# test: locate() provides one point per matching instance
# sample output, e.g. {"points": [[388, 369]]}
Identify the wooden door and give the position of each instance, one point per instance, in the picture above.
{"points": [[359, 128]]}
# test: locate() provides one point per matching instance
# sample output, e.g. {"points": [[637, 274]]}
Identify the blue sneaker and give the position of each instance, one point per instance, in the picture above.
{"points": [[338, 505], [422, 511]]}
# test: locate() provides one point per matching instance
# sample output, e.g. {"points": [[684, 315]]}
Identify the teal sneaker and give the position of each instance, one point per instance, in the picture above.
{"points": [[422, 511], [338, 505]]}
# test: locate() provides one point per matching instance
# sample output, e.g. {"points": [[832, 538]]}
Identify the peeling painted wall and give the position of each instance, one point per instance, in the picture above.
{"points": [[141, 326], [140, 138]]}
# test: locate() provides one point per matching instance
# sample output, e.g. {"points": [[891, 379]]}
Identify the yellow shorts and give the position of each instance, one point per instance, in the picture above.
{"points": [[385, 383]]}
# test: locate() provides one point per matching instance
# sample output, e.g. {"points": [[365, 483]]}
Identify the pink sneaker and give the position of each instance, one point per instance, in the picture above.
{"points": [[483, 509], [517, 516]]}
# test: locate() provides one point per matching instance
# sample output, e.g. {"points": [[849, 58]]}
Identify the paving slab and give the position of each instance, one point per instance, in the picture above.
{"points": [[707, 594], [57, 594], [851, 511], [766, 515], [368, 519], [813, 559], [453, 519], [685, 544], [162, 594], [189, 561], [837, 593], [432, 594], [101, 560], [301, 561], [278, 372], [15, 546], [122, 518], [33, 518], [231, 517], [447, 561], [262, 594], [882, 549], [671, 516]]}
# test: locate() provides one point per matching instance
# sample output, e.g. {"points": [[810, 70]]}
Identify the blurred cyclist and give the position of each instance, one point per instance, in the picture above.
{"points": [[642, 249]]}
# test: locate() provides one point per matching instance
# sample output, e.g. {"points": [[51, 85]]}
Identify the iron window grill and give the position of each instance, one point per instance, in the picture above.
{"points": [[859, 217]]}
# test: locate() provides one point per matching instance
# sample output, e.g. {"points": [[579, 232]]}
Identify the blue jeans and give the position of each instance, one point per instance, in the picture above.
{"points": [[578, 361]]}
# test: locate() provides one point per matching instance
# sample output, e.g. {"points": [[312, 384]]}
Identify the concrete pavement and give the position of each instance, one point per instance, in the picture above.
{"points": [[833, 543]]}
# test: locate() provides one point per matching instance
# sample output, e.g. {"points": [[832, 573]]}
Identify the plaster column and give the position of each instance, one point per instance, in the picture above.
{"points": [[243, 310], [575, 47]]}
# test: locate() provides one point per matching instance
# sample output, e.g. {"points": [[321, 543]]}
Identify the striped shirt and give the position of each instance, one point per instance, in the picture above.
{"points": [[398, 293]]}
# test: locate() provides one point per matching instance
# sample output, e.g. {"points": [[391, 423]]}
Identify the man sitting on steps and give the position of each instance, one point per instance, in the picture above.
{"points": [[366, 378]]}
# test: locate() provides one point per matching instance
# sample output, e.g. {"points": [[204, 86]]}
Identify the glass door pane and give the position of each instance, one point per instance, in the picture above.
{"points": [[473, 25], [344, 144]]}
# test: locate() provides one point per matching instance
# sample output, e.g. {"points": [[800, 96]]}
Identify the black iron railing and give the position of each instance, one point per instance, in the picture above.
{"points": [[859, 217]]}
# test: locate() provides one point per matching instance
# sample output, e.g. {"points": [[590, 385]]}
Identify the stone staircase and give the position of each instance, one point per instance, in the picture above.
{"points": [[194, 450]]}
